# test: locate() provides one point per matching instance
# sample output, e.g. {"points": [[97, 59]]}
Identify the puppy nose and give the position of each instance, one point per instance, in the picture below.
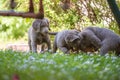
{"points": [[45, 30]]}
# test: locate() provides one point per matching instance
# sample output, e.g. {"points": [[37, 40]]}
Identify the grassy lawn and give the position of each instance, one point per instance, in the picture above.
{"points": [[29, 66]]}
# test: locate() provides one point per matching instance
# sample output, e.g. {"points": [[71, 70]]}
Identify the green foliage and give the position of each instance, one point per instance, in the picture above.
{"points": [[31, 66], [13, 27], [74, 18]]}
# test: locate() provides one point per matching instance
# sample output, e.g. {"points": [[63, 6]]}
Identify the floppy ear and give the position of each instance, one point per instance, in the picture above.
{"points": [[76, 31], [80, 36], [71, 38], [36, 24], [74, 38], [47, 22]]}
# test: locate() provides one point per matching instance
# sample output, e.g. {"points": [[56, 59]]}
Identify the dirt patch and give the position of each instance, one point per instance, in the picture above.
{"points": [[18, 47]]}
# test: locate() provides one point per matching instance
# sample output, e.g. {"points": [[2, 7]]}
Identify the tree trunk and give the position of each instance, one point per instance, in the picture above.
{"points": [[115, 10]]}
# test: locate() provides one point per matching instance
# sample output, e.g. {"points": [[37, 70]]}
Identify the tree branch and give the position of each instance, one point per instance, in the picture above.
{"points": [[115, 10]]}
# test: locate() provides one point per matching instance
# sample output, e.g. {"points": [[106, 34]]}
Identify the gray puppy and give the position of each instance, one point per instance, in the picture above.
{"points": [[66, 40], [38, 34], [104, 38]]}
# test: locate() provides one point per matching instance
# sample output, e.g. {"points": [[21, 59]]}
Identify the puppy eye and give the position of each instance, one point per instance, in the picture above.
{"points": [[76, 40]]}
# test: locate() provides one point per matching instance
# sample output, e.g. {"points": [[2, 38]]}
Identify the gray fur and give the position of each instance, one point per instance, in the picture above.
{"points": [[87, 46], [38, 34], [108, 40], [66, 40]]}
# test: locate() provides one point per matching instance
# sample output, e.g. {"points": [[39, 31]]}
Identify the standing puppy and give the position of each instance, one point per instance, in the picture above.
{"points": [[66, 40], [38, 34], [109, 41]]}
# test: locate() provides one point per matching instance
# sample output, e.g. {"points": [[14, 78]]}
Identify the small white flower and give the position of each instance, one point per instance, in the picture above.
{"points": [[31, 58]]}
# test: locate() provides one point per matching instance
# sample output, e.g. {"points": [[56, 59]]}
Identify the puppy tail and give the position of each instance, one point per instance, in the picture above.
{"points": [[52, 33]]}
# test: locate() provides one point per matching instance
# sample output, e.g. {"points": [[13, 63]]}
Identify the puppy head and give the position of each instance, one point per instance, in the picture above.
{"points": [[73, 40], [41, 25]]}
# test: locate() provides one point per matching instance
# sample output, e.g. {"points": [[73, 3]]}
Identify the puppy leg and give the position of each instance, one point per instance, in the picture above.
{"points": [[42, 48], [104, 47], [103, 50], [29, 44], [34, 47], [117, 52], [54, 47], [107, 46], [93, 39], [49, 44]]}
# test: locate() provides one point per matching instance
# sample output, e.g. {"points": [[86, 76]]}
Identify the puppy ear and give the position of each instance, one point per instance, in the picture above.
{"points": [[76, 32], [71, 38], [47, 21], [80, 36], [48, 24], [74, 38], [36, 24]]}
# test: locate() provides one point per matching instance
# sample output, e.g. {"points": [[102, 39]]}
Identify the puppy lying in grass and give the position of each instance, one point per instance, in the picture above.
{"points": [[38, 34], [66, 40], [102, 38], [87, 48]]}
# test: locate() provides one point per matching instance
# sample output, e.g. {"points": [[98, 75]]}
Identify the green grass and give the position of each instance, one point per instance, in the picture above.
{"points": [[29, 66]]}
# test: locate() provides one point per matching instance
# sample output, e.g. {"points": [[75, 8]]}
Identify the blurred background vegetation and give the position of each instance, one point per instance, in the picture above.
{"points": [[82, 13]]}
